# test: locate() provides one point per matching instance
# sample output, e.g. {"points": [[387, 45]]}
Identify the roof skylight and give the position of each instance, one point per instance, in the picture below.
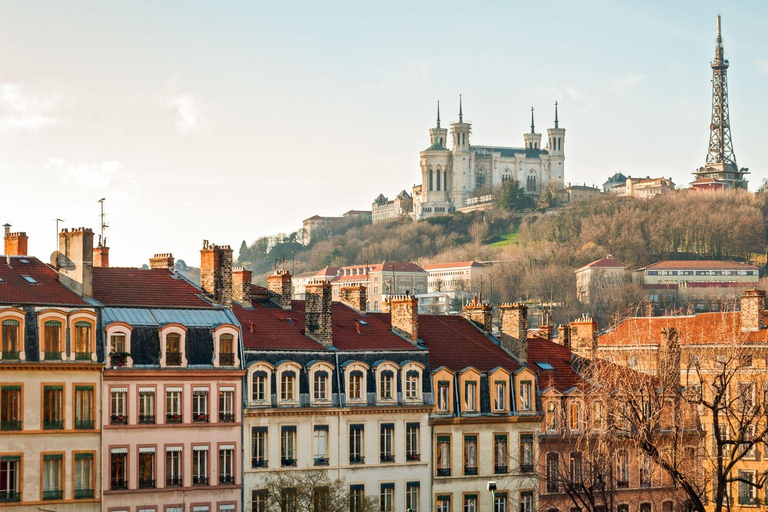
{"points": [[30, 279], [545, 366]]}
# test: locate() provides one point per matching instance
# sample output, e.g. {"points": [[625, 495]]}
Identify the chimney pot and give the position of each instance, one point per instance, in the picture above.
{"points": [[15, 243], [404, 315], [76, 270], [101, 256], [514, 329], [241, 286], [280, 289], [354, 296], [753, 310], [216, 272], [479, 313], [318, 307], [163, 260]]}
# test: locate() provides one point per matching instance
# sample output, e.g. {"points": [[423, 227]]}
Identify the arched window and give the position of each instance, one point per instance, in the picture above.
{"points": [[445, 180], [226, 350], [430, 180], [531, 183], [83, 347], [53, 341], [438, 180], [480, 178], [173, 349], [412, 385], [386, 381], [10, 333], [375, 305], [259, 386]]}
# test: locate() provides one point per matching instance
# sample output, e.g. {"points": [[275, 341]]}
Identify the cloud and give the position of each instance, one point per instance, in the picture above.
{"points": [[762, 65], [621, 85], [23, 110], [186, 106], [93, 175]]}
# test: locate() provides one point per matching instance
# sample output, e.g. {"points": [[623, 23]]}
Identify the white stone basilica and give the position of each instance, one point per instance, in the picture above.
{"points": [[449, 177]]}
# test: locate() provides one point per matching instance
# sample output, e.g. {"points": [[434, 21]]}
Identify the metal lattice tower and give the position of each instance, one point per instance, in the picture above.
{"points": [[720, 143]]}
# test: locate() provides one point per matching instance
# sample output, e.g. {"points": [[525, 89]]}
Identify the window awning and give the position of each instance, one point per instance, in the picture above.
{"points": [[118, 451], [227, 388], [200, 448], [227, 447], [146, 390], [147, 449], [174, 389], [118, 390], [200, 389], [173, 448]]}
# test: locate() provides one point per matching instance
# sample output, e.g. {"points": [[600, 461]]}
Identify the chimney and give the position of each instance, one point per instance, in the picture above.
{"points": [[546, 329], [101, 256], [318, 324], [584, 336], [241, 286], [15, 243], [163, 260], [279, 287], [216, 272], [479, 313], [564, 336], [513, 320], [404, 314], [753, 310], [75, 260], [669, 356], [354, 296]]}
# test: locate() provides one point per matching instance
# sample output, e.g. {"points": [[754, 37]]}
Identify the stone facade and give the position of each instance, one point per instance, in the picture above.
{"points": [[75, 260], [354, 296], [241, 285], [384, 209], [405, 316], [753, 310], [279, 286], [513, 320], [479, 313]]}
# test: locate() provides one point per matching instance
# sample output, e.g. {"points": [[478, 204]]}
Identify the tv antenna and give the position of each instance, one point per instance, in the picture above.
{"points": [[102, 238]]}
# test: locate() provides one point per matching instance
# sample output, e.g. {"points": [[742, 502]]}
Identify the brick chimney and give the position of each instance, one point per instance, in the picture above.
{"points": [[354, 296], [564, 336], [479, 313], [584, 336], [241, 286], [216, 272], [513, 320], [404, 314], [75, 260], [318, 323], [101, 256], [669, 355], [15, 243], [753, 310], [163, 260], [279, 286]]}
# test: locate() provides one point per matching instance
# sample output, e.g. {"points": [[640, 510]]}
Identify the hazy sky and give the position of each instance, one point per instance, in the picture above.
{"points": [[231, 120]]}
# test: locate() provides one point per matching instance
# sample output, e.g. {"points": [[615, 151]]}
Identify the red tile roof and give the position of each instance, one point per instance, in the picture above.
{"points": [[157, 288], [266, 327], [258, 290], [47, 290], [563, 377], [387, 266], [453, 264], [606, 262], [700, 264]]}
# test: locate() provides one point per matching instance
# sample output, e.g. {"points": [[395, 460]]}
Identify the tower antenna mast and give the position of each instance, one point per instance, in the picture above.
{"points": [[102, 238]]}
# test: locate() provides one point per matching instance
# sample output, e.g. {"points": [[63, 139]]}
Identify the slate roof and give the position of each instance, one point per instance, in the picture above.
{"points": [[564, 376], [137, 287], [267, 327], [436, 147], [157, 317], [46, 290]]}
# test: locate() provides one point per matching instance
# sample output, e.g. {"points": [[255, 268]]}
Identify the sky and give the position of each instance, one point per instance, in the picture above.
{"points": [[229, 120]]}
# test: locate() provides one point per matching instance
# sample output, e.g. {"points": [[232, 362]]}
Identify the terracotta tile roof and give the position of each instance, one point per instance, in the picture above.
{"points": [[700, 265], [258, 290], [564, 376], [46, 290], [453, 264], [359, 278], [702, 328], [158, 288], [606, 262], [266, 327], [387, 266]]}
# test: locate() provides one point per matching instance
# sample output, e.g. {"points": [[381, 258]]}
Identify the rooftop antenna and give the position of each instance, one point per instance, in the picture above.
{"points": [[102, 238], [57, 232]]}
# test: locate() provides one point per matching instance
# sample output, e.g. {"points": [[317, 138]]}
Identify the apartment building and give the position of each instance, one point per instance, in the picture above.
{"points": [[381, 280], [596, 277]]}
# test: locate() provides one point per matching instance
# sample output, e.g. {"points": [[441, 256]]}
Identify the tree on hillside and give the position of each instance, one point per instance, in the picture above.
{"points": [[309, 491], [513, 197]]}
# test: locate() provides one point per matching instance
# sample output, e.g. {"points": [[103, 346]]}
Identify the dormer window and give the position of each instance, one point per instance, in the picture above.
{"points": [[321, 386], [288, 386], [356, 385], [225, 346], [173, 349], [11, 336], [259, 387], [412, 385], [525, 395], [385, 384], [575, 415], [443, 395], [470, 396], [226, 350], [500, 395], [83, 341], [52, 340], [118, 335], [553, 412]]}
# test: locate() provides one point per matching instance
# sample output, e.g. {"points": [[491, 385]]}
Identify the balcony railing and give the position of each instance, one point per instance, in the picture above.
{"points": [[83, 494], [287, 463], [356, 459], [118, 484], [226, 417], [53, 424], [10, 425], [747, 500], [443, 471], [259, 463], [227, 359], [321, 461], [84, 424], [9, 496], [82, 356], [11, 355], [118, 359], [500, 470], [147, 419], [173, 359], [622, 484], [387, 457], [470, 470], [53, 495], [146, 483], [173, 418], [226, 480], [412, 457], [173, 481], [118, 419], [200, 417], [526, 468], [199, 480], [53, 356]]}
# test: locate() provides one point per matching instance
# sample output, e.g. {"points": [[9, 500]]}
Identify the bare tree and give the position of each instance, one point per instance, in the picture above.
{"points": [[312, 491]]}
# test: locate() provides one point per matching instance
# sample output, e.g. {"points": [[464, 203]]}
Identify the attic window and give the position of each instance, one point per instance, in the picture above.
{"points": [[362, 322], [289, 320], [24, 261], [545, 366], [30, 279], [1, 280]]}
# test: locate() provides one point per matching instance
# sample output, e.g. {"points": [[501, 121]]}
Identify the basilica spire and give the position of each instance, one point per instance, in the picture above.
{"points": [[533, 129], [461, 114], [438, 113], [556, 123]]}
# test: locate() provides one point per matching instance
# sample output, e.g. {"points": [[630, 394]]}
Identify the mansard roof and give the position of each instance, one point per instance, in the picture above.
{"points": [[562, 376], [139, 287], [27, 280]]}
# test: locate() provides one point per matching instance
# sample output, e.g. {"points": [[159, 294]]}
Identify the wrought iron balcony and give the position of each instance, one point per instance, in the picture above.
{"points": [[146, 483], [443, 471], [622, 484], [356, 459], [227, 359], [173, 359], [118, 484], [526, 468], [53, 495], [287, 462], [9, 496], [118, 359], [226, 480], [552, 486], [173, 418], [412, 457], [500, 470], [199, 480], [147, 419], [470, 470], [174, 481], [83, 494], [257, 463], [200, 417], [84, 424], [387, 457], [53, 424], [226, 417], [53, 356], [11, 355], [747, 500], [321, 461], [118, 419], [10, 425], [82, 356]]}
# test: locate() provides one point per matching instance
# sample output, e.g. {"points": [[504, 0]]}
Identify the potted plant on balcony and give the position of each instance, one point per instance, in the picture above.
{"points": [[119, 359]]}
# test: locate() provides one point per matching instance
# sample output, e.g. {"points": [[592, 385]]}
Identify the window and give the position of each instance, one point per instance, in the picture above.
{"points": [[52, 475], [227, 465], [200, 405], [597, 416], [173, 412], [575, 468], [500, 502], [526, 453], [10, 407], [321, 499], [356, 498], [259, 387], [622, 470], [53, 407], [173, 349], [118, 403], [747, 488], [387, 497], [288, 500], [356, 385], [356, 437], [321, 386], [645, 472], [226, 350], [84, 407], [321, 445], [412, 385], [199, 465], [443, 503], [259, 452], [387, 442], [259, 500], [288, 446], [412, 432], [385, 385], [83, 476], [287, 383], [470, 503], [119, 469], [173, 456], [442, 396], [575, 415], [746, 397], [52, 340], [147, 406], [525, 395], [443, 456], [553, 472], [10, 471], [552, 417], [412, 496], [118, 350], [146, 468], [83, 341], [470, 396], [526, 501], [500, 454], [500, 397], [227, 404], [470, 455], [11, 344]]}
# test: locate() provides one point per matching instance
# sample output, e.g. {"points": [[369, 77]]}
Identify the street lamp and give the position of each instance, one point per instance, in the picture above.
{"points": [[491, 486]]}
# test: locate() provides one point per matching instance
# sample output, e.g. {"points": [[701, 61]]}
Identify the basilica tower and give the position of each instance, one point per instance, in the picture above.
{"points": [[532, 139], [463, 180], [556, 146], [435, 163]]}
